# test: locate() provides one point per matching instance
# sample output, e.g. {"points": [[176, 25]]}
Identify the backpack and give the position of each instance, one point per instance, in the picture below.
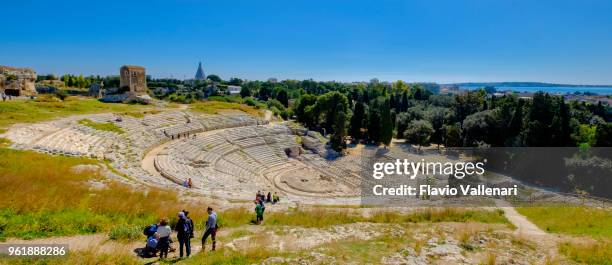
{"points": [[150, 230], [152, 242], [187, 226]]}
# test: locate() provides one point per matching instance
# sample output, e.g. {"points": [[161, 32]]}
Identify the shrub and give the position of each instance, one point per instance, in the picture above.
{"points": [[126, 232], [250, 101]]}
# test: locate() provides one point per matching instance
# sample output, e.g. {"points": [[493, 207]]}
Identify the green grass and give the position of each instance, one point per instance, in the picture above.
{"points": [[30, 111], [323, 217], [571, 220], [588, 253], [70, 222], [127, 232], [363, 251], [227, 256], [212, 107], [107, 126], [4, 142]]}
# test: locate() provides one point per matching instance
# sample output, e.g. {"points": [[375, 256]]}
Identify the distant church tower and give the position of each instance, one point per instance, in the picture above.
{"points": [[200, 73]]}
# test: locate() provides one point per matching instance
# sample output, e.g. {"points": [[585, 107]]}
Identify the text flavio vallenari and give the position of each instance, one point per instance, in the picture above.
{"points": [[466, 190], [411, 170]]}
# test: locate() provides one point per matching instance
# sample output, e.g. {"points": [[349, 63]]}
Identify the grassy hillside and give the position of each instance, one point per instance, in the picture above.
{"points": [[212, 107], [592, 225], [46, 108], [44, 196], [571, 220]]}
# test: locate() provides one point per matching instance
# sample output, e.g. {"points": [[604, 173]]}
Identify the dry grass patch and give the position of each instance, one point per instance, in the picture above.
{"points": [[592, 252], [43, 196]]}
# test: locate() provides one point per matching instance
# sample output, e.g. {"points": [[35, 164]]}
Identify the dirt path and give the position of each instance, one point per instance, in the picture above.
{"points": [[528, 230], [101, 243], [524, 227]]}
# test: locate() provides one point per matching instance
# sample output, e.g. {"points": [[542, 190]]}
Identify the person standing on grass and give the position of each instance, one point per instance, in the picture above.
{"points": [[163, 235], [259, 211], [211, 229], [184, 229]]}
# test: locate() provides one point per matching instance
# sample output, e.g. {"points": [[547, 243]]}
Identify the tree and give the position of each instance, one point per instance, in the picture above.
{"points": [[264, 92], [404, 104], [245, 92], [386, 122], [214, 78], [452, 135], [436, 116], [469, 103], [401, 121], [419, 132], [540, 115], [374, 125], [339, 128], [283, 97], [480, 127], [357, 121], [328, 106], [304, 110], [235, 81], [603, 135]]}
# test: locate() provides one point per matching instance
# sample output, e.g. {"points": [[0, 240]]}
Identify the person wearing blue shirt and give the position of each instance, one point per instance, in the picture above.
{"points": [[211, 228]]}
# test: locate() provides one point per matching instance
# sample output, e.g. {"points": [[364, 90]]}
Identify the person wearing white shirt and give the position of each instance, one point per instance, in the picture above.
{"points": [[163, 233]]}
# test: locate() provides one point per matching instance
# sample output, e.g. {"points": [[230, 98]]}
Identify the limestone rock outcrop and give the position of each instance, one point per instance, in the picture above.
{"points": [[17, 81]]}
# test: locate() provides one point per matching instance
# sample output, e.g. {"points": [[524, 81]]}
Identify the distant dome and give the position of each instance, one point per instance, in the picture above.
{"points": [[200, 73]]}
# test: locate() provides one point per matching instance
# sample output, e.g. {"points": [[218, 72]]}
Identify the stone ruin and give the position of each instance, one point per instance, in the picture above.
{"points": [[17, 81], [96, 90], [132, 87], [134, 78]]}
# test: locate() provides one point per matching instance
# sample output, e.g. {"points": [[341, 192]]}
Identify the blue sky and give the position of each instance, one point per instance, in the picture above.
{"points": [[439, 41]]}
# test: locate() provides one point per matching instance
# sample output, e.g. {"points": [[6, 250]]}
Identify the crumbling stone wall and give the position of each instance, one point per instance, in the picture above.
{"points": [[17, 81], [134, 78]]}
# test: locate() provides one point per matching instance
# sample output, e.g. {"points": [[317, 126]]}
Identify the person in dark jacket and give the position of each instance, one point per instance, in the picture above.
{"points": [[184, 233]]}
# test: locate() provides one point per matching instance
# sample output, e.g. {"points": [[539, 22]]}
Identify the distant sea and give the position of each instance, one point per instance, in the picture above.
{"points": [[600, 90]]}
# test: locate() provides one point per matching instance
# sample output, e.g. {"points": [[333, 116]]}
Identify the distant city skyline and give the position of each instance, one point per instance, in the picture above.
{"points": [[566, 42]]}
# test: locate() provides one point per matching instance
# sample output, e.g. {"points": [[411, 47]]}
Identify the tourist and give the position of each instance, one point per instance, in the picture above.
{"points": [[259, 212], [184, 232], [163, 236], [269, 197], [186, 183], [275, 198], [211, 228], [151, 247], [189, 183]]}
